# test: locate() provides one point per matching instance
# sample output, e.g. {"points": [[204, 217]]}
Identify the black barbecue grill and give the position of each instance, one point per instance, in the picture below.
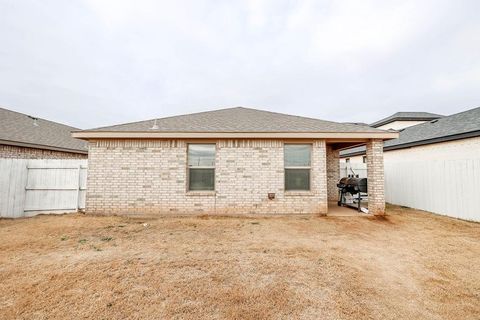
{"points": [[356, 187]]}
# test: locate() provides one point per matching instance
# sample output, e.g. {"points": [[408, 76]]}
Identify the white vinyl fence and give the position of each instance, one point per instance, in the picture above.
{"points": [[353, 169], [447, 187], [29, 187]]}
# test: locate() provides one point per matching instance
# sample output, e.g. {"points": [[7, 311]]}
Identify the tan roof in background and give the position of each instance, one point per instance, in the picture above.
{"points": [[19, 129]]}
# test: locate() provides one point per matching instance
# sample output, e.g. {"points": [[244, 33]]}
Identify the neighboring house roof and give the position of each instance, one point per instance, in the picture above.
{"points": [[457, 126], [19, 129], [407, 116], [359, 123], [235, 121]]}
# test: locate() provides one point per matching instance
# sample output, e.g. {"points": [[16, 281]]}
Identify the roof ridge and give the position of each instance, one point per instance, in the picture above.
{"points": [[286, 114], [224, 109], [161, 118], [415, 112]]}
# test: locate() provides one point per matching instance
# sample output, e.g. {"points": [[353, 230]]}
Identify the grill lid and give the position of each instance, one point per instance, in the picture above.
{"points": [[358, 184]]}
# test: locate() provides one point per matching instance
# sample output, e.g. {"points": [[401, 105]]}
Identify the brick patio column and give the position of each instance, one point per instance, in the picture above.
{"points": [[375, 175], [333, 173], [319, 176]]}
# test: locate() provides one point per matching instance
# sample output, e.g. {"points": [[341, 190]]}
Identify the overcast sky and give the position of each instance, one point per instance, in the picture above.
{"points": [[102, 62]]}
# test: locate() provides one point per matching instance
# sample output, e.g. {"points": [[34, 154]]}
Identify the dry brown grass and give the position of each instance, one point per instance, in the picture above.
{"points": [[409, 265]]}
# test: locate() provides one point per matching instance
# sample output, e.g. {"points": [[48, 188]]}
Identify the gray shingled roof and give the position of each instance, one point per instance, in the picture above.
{"points": [[459, 125], [19, 129], [405, 116], [238, 119]]}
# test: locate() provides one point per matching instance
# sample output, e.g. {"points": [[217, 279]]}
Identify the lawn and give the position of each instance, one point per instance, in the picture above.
{"points": [[408, 265]]}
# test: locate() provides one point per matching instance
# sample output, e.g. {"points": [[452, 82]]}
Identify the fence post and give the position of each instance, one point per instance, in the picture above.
{"points": [[78, 186], [24, 197]]}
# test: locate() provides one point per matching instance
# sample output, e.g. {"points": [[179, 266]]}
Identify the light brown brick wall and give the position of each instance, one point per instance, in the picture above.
{"points": [[375, 176], [150, 176], [7, 151], [333, 173]]}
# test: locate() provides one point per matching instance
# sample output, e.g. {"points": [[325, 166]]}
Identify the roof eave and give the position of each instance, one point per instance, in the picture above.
{"points": [[384, 122], [41, 146], [466, 135], [353, 154], [453, 137], [87, 135]]}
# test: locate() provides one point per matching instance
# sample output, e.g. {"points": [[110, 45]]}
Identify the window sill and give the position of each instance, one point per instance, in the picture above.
{"points": [[201, 193], [299, 193]]}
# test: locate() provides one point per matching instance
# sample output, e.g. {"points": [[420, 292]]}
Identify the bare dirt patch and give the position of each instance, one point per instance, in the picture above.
{"points": [[409, 265]]}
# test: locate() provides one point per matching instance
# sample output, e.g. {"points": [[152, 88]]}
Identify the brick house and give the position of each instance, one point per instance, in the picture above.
{"points": [[229, 161], [27, 137]]}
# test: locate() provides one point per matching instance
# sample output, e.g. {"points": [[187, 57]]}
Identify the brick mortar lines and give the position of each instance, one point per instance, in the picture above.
{"points": [[375, 175], [144, 177]]}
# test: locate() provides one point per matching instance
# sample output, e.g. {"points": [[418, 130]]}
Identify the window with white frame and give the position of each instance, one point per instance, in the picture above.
{"points": [[201, 167], [297, 161]]}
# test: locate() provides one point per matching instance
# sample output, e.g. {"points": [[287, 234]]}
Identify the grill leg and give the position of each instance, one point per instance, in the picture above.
{"points": [[359, 202]]}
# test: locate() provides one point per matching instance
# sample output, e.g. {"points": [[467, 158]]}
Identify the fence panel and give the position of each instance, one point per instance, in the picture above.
{"points": [[446, 187], [13, 177], [29, 187], [353, 169]]}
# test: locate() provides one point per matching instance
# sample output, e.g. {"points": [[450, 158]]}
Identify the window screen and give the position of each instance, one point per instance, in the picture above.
{"points": [[201, 167], [297, 159]]}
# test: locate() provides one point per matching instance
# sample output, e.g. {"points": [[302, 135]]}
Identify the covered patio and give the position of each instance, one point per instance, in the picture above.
{"points": [[375, 175]]}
